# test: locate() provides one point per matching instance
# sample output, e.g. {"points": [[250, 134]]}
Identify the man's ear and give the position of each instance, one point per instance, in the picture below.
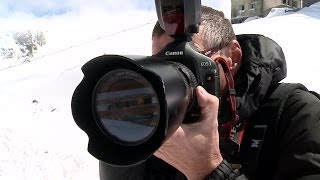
{"points": [[236, 56]]}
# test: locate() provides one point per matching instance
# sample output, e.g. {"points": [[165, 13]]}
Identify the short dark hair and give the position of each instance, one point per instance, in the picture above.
{"points": [[216, 31]]}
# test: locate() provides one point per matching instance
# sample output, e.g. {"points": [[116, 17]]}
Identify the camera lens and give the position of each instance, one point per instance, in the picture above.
{"points": [[126, 107]]}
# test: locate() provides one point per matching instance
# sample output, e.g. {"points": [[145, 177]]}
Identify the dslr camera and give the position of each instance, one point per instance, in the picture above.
{"points": [[129, 105]]}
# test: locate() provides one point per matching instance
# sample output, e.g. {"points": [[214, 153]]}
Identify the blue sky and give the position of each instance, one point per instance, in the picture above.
{"points": [[38, 8], [55, 7]]}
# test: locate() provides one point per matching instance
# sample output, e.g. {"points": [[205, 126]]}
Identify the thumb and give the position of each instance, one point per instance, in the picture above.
{"points": [[208, 103]]}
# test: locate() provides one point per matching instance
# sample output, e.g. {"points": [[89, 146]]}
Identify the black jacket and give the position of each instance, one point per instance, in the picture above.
{"points": [[291, 146]]}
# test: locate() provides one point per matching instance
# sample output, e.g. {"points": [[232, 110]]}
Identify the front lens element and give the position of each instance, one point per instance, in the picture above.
{"points": [[126, 107]]}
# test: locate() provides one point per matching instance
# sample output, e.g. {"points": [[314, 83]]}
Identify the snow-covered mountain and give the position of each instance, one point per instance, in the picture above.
{"points": [[18, 47], [38, 136]]}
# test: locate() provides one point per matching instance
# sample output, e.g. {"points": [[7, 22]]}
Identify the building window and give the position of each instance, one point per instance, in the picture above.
{"points": [[253, 6], [295, 4], [241, 8], [287, 2]]}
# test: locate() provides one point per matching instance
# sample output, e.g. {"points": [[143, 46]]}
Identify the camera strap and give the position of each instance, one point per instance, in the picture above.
{"points": [[233, 130]]}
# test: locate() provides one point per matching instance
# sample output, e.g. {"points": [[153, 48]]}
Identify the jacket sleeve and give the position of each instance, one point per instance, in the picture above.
{"points": [[152, 169], [299, 143], [107, 172]]}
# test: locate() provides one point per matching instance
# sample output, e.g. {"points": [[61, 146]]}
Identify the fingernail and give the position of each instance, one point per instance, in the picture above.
{"points": [[202, 90]]}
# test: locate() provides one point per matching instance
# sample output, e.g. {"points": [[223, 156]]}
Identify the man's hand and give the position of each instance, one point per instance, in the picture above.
{"points": [[194, 148]]}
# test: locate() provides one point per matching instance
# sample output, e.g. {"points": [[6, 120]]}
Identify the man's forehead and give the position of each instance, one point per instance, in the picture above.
{"points": [[164, 39], [160, 42]]}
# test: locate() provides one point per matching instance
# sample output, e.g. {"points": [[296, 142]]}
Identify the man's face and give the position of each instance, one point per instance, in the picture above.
{"points": [[158, 43]]}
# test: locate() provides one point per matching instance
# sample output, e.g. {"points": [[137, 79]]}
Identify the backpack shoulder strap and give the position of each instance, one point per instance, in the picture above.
{"points": [[270, 109], [262, 125], [277, 96]]}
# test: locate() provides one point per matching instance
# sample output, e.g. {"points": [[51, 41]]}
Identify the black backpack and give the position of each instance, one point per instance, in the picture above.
{"points": [[275, 100]]}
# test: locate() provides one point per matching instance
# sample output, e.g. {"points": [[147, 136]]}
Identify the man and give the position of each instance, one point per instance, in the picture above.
{"points": [[290, 145]]}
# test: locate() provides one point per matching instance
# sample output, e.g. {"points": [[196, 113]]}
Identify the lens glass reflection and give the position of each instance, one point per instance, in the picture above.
{"points": [[126, 106]]}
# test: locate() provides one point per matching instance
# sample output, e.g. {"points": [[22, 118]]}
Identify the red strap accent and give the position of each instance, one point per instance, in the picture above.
{"points": [[234, 129], [230, 84]]}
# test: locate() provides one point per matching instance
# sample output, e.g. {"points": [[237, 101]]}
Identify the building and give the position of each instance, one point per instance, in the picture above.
{"points": [[247, 8]]}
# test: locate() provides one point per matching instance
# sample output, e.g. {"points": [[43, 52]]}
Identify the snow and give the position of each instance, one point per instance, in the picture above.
{"points": [[298, 35], [38, 136], [279, 11]]}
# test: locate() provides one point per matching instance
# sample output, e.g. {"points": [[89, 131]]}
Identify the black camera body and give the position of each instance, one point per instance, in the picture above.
{"points": [[130, 105], [200, 70]]}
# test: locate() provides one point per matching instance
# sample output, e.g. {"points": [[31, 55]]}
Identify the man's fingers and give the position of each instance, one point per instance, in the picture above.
{"points": [[206, 100], [208, 103]]}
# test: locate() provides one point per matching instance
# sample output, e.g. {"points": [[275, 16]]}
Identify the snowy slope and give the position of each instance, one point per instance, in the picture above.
{"points": [[38, 137]]}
